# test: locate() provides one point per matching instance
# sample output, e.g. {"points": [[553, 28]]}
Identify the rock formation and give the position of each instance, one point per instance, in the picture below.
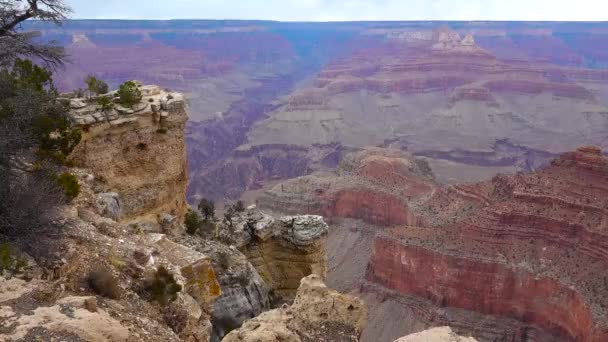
{"points": [[317, 313], [444, 334], [375, 185], [138, 153], [517, 257], [283, 250]]}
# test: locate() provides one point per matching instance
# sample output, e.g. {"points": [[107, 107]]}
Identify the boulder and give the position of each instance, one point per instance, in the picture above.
{"points": [[317, 314], [108, 205], [443, 334]]}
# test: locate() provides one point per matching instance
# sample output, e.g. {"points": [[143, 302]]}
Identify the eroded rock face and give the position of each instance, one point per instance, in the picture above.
{"points": [[318, 313], [527, 247], [378, 186], [283, 250], [138, 153], [514, 258], [443, 334]]}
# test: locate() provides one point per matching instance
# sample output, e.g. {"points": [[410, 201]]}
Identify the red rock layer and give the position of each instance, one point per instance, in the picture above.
{"points": [[444, 63], [484, 287], [531, 247]]}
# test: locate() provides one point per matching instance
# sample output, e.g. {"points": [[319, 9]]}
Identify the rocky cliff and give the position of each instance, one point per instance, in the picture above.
{"points": [[517, 257], [283, 249], [317, 313], [138, 153]]}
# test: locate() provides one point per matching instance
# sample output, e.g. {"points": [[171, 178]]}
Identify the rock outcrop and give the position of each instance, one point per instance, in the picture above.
{"points": [[283, 250], [138, 153], [511, 258], [317, 314], [443, 334]]}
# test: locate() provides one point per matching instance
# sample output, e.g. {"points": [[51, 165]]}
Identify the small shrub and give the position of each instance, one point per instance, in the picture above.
{"points": [[105, 104], [55, 136], [207, 208], [163, 287], [128, 94], [9, 261], [104, 283], [228, 216], [162, 130], [95, 85], [150, 100], [192, 222], [239, 206], [70, 185]]}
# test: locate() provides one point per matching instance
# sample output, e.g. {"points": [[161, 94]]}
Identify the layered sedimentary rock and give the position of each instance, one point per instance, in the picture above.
{"points": [[138, 153], [317, 313], [527, 250], [251, 167], [528, 247], [376, 185], [283, 250]]}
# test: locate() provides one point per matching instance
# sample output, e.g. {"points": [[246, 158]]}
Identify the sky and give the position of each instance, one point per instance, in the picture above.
{"points": [[343, 10]]}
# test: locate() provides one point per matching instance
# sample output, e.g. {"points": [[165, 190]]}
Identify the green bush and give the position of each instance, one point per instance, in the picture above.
{"points": [[9, 261], [163, 287], [95, 85], [56, 137], [70, 185], [193, 222], [128, 94], [162, 130]]}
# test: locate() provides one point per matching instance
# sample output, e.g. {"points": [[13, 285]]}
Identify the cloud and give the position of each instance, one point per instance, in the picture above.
{"points": [[323, 10]]}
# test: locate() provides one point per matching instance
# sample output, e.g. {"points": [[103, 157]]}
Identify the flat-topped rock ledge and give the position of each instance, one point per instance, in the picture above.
{"points": [[156, 103]]}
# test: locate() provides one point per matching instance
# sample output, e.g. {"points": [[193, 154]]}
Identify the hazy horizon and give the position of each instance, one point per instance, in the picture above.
{"points": [[344, 11]]}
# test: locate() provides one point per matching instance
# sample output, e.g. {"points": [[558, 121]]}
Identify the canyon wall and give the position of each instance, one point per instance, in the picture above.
{"points": [[515, 258], [137, 152], [282, 249]]}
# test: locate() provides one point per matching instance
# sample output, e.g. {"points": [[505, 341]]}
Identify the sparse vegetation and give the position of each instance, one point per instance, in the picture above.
{"points": [[96, 86], [207, 208], [239, 206], [129, 94], [105, 105], [70, 185], [9, 261], [103, 282], [162, 130], [228, 216], [193, 222], [162, 287]]}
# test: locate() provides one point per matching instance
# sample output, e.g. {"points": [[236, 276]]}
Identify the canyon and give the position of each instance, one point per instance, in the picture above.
{"points": [[513, 258], [447, 174], [475, 98]]}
